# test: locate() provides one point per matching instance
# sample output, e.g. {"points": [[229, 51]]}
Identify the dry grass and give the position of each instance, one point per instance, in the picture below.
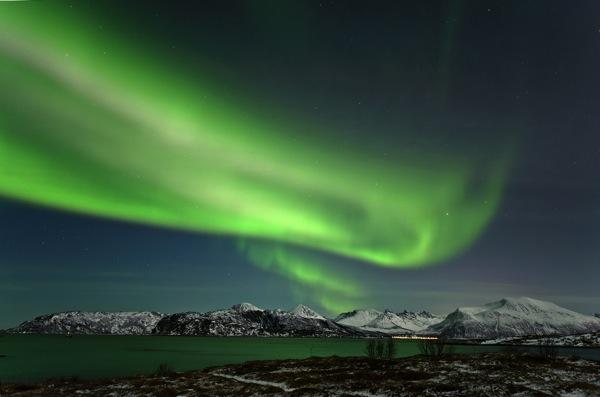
{"points": [[492, 374]]}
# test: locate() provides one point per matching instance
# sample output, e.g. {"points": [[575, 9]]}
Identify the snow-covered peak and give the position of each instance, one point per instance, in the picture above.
{"points": [[387, 321], [246, 307], [524, 304], [358, 318], [306, 312], [509, 304], [514, 317], [417, 321]]}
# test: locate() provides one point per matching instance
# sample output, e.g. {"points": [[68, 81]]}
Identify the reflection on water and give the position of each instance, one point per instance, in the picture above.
{"points": [[37, 357]]}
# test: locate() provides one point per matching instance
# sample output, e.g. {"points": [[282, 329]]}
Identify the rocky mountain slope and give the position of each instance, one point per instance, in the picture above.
{"points": [[97, 323], [510, 317], [248, 320], [387, 321]]}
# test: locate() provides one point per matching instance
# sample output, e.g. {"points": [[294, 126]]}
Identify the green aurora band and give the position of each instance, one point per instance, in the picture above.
{"points": [[92, 126]]}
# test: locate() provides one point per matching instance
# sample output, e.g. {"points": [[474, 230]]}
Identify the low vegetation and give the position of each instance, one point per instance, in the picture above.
{"points": [[547, 350], [381, 348], [488, 374], [435, 347], [163, 369]]}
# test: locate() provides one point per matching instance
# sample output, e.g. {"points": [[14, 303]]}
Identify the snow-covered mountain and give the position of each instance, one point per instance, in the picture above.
{"points": [[306, 312], [98, 323], [510, 317], [387, 321], [246, 307], [417, 321], [357, 318], [248, 320]]}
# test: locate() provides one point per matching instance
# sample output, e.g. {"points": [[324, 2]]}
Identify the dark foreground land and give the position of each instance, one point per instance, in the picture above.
{"points": [[490, 374]]}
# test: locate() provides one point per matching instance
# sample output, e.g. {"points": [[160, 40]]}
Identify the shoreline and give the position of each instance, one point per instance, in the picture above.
{"points": [[399, 338]]}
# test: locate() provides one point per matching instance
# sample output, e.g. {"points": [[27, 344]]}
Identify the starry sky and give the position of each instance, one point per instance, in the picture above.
{"points": [[413, 155]]}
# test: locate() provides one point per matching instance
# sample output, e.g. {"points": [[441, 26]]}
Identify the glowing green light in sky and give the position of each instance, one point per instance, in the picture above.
{"points": [[334, 291], [92, 126]]}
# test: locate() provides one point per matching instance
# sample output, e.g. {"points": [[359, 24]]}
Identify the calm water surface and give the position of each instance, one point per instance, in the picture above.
{"points": [[37, 357]]}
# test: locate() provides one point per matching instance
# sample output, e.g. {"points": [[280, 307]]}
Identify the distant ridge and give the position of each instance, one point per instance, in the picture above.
{"points": [[387, 321], [96, 323]]}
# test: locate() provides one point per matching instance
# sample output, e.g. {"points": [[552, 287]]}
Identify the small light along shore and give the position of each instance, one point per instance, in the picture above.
{"points": [[492, 374], [415, 337]]}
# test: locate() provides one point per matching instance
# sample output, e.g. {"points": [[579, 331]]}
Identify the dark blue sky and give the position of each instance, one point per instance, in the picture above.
{"points": [[525, 70]]}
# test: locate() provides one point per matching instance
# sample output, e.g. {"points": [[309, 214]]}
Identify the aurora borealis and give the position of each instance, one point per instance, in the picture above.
{"points": [[95, 122], [162, 155]]}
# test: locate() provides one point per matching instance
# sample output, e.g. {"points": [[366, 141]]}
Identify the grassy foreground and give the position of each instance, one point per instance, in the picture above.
{"points": [[489, 374]]}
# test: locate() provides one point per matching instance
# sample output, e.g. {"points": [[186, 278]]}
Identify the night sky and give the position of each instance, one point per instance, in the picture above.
{"points": [[175, 156]]}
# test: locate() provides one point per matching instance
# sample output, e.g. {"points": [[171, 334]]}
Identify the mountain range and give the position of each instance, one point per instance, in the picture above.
{"points": [[246, 319], [387, 321], [508, 317]]}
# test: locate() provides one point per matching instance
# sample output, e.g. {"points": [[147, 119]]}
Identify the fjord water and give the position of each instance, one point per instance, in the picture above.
{"points": [[27, 358], [37, 357]]}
